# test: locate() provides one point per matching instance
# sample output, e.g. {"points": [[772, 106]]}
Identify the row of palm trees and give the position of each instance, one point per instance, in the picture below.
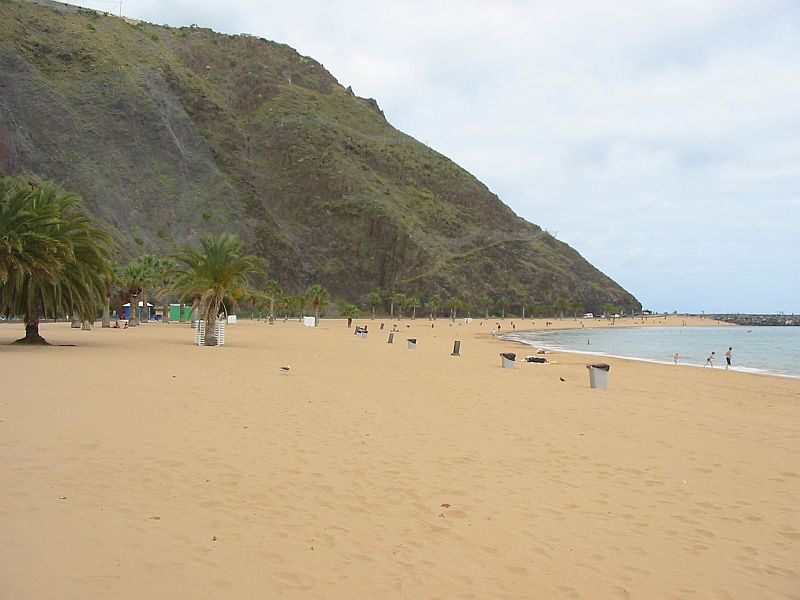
{"points": [[56, 261], [488, 306]]}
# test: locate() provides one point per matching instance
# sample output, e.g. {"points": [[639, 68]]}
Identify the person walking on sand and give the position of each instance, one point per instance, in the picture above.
{"points": [[728, 357], [710, 359]]}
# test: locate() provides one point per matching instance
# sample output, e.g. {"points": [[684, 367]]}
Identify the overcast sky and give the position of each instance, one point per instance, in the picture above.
{"points": [[659, 139]]}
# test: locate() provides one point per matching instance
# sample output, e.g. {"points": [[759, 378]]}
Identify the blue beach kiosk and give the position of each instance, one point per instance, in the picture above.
{"points": [[126, 309]]}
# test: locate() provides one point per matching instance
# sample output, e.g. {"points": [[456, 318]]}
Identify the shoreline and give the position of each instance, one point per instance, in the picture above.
{"points": [[550, 349]]}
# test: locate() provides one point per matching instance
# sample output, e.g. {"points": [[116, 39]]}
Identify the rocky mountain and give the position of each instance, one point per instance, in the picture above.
{"points": [[168, 133]]}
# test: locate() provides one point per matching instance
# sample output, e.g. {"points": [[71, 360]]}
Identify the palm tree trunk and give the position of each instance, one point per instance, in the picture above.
{"points": [[211, 323], [133, 314], [145, 309], [32, 327], [166, 317], [118, 305], [316, 316], [106, 312], [182, 313]]}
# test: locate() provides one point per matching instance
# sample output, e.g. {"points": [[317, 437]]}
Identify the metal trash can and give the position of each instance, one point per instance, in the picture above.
{"points": [[508, 359], [598, 375], [391, 338], [412, 343]]}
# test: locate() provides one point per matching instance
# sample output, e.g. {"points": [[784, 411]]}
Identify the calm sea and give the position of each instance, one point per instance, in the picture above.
{"points": [[767, 350]]}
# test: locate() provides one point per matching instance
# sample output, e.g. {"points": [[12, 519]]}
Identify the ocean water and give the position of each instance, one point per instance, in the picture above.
{"points": [[766, 350]]}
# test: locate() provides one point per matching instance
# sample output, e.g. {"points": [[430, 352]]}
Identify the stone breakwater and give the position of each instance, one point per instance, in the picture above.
{"points": [[756, 320]]}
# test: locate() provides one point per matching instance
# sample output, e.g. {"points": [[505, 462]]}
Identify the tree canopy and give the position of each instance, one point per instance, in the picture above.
{"points": [[54, 258], [216, 275]]}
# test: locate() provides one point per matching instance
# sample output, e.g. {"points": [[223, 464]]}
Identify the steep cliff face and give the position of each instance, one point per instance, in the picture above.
{"points": [[169, 133]]}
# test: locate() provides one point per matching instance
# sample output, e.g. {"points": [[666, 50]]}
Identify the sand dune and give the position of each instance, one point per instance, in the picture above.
{"points": [[136, 465]]}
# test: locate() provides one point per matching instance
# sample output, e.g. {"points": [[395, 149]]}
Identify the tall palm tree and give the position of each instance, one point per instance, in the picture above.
{"points": [[317, 298], [433, 304], [374, 298], [350, 311], [560, 306], [487, 305], [54, 259], [503, 303], [132, 278], [413, 303], [25, 245], [151, 275], [217, 271], [402, 301], [454, 304], [395, 299], [273, 293], [164, 272]]}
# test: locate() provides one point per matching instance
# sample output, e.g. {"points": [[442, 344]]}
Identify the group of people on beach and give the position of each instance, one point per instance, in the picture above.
{"points": [[728, 358], [712, 357]]}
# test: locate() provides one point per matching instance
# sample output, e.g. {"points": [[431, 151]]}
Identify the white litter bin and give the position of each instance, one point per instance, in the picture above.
{"points": [[509, 359], [598, 375]]}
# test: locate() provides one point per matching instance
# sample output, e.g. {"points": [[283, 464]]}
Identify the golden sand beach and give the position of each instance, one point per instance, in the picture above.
{"points": [[136, 465]]}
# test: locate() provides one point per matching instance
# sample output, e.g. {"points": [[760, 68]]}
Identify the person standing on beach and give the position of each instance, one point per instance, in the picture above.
{"points": [[676, 357], [728, 357], [710, 359]]}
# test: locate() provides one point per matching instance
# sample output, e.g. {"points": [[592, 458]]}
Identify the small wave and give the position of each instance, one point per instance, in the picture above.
{"points": [[544, 342]]}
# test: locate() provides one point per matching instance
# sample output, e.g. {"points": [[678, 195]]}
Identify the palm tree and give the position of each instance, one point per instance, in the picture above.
{"points": [[413, 303], [350, 311], [453, 304], [392, 297], [468, 308], [433, 304], [399, 299], [294, 304], [131, 278], [151, 270], [272, 293], [487, 304], [317, 298], [215, 273], [560, 306], [503, 303], [53, 257], [25, 245], [374, 298], [164, 272], [528, 307]]}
